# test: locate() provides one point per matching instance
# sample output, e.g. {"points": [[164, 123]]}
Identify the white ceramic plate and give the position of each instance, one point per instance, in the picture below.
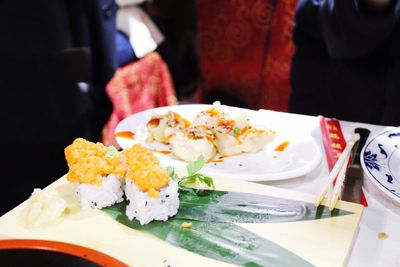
{"points": [[380, 159], [300, 157]]}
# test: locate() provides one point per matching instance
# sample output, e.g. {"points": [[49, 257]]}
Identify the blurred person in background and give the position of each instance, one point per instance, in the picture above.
{"points": [[56, 58], [165, 26], [347, 60]]}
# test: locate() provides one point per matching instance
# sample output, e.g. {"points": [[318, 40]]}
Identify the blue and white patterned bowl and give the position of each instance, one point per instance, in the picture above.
{"points": [[380, 159]]}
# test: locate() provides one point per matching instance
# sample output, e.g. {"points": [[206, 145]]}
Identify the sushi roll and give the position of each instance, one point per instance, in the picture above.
{"points": [[162, 127], [102, 195], [151, 193], [96, 173]]}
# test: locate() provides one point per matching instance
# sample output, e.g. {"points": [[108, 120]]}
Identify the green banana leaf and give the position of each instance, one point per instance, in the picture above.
{"points": [[214, 234], [237, 207], [226, 242]]}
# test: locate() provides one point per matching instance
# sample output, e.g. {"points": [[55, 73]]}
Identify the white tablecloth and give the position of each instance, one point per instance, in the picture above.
{"points": [[381, 216]]}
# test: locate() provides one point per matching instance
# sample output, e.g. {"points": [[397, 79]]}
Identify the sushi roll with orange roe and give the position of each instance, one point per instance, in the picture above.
{"points": [[152, 194], [96, 172]]}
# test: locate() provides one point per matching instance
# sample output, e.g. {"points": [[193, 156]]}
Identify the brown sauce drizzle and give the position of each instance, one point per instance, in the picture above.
{"points": [[219, 159], [154, 122], [178, 118], [282, 146], [226, 124], [125, 134], [165, 152]]}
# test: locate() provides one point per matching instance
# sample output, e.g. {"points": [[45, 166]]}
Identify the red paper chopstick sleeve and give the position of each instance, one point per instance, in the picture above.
{"points": [[334, 144]]}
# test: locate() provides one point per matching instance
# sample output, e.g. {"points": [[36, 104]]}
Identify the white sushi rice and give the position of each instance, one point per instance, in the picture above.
{"points": [[145, 208], [109, 192]]}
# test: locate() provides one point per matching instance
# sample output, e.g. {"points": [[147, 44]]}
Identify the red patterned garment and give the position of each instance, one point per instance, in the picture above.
{"points": [[276, 89], [138, 86], [245, 49]]}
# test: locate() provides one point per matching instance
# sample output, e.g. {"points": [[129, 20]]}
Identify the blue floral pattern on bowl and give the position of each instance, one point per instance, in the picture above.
{"points": [[380, 159], [371, 160]]}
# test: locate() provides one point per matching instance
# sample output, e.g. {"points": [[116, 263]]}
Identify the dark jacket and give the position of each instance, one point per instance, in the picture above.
{"points": [[56, 57], [347, 61]]}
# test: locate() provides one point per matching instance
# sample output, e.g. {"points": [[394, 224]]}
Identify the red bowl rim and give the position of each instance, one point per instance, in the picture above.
{"points": [[66, 248]]}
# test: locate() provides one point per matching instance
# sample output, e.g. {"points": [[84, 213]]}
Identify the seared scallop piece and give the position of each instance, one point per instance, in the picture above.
{"points": [[232, 130], [192, 143], [226, 144], [247, 139], [212, 116], [162, 127], [254, 140]]}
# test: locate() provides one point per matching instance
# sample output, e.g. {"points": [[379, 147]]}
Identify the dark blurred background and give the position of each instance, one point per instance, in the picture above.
{"points": [[56, 59], [75, 68]]}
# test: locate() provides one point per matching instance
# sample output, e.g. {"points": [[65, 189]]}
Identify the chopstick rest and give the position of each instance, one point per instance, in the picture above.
{"points": [[343, 160]]}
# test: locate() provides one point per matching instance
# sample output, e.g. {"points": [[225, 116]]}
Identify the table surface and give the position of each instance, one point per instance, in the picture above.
{"points": [[381, 216]]}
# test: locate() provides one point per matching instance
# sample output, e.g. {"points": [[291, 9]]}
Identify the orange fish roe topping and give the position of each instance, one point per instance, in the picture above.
{"points": [[88, 170], [82, 148], [144, 169], [116, 165], [88, 162]]}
